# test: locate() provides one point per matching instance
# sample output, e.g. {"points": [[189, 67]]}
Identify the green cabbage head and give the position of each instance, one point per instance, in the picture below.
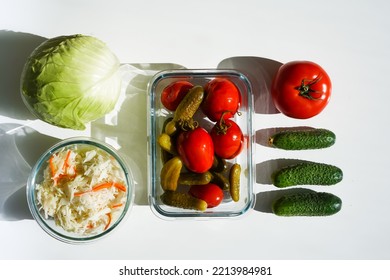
{"points": [[69, 81]]}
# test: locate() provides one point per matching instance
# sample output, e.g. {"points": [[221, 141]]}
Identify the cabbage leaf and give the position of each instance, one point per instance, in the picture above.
{"points": [[69, 81]]}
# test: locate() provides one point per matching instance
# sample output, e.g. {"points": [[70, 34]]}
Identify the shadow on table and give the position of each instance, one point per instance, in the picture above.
{"points": [[264, 200], [259, 71], [126, 127], [15, 47], [20, 148], [264, 171]]}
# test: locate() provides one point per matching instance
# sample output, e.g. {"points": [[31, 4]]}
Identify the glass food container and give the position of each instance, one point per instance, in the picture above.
{"points": [[80, 190], [158, 114]]}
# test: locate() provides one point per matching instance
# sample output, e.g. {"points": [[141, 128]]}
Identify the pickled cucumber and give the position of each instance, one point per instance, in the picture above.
{"points": [[311, 138], [183, 116], [234, 179], [220, 180], [190, 178], [307, 173], [183, 200], [307, 204], [219, 164], [165, 142], [170, 173], [165, 156]]}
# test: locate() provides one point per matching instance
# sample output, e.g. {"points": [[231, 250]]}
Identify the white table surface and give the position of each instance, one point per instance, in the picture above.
{"points": [[349, 39]]}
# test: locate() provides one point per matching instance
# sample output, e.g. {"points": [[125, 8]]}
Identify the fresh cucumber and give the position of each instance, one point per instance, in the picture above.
{"points": [[303, 139], [307, 204], [307, 173]]}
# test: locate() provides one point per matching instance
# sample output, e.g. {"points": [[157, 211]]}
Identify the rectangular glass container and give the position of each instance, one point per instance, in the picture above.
{"points": [[157, 114]]}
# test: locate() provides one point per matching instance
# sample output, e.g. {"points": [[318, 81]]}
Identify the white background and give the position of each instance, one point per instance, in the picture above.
{"points": [[349, 39]]}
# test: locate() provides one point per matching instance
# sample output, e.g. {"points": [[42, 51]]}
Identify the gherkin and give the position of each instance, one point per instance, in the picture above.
{"points": [[303, 139], [307, 204], [307, 173], [183, 200]]}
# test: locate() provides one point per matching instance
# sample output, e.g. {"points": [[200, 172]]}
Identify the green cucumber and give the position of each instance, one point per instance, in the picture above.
{"points": [[183, 200], [190, 178], [303, 139], [307, 173], [221, 180], [307, 204]]}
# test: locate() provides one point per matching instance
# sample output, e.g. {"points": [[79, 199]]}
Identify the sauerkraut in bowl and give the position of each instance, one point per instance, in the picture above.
{"points": [[80, 190]]}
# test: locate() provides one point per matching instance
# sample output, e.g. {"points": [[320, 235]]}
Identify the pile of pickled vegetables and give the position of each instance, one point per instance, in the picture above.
{"points": [[83, 189]]}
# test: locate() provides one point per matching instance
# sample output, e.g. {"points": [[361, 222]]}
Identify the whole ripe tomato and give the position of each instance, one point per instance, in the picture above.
{"points": [[211, 193], [196, 149], [222, 98], [301, 89], [227, 138], [174, 93]]}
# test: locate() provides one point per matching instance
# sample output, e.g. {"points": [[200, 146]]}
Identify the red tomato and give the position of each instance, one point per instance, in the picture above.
{"points": [[196, 149], [222, 97], [174, 93], [301, 89], [211, 193], [227, 138]]}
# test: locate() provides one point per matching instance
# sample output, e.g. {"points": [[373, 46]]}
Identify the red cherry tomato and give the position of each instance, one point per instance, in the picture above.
{"points": [[222, 98], [227, 138], [301, 89], [174, 93], [196, 149], [211, 193]]}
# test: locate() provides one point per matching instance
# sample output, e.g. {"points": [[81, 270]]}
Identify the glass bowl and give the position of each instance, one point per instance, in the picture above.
{"points": [[80, 190], [158, 114]]}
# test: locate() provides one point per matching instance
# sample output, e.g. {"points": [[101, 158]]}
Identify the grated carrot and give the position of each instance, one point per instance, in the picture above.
{"points": [[53, 168], [101, 186], [109, 221], [116, 205]]}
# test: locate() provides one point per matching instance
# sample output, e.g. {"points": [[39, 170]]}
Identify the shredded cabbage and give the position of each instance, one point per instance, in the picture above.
{"points": [[83, 189]]}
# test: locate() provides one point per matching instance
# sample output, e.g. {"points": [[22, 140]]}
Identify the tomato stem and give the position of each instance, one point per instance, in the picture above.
{"points": [[305, 89], [222, 126], [187, 125]]}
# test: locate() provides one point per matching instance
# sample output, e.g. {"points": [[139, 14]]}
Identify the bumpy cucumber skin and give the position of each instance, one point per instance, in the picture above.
{"points": [[189, 178], [166, 143], [183, 200], [170, 173], [219, 164], [315, 138], [221, 180], [185, 111], [234, 180], [307, 173], [307, 204]]}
